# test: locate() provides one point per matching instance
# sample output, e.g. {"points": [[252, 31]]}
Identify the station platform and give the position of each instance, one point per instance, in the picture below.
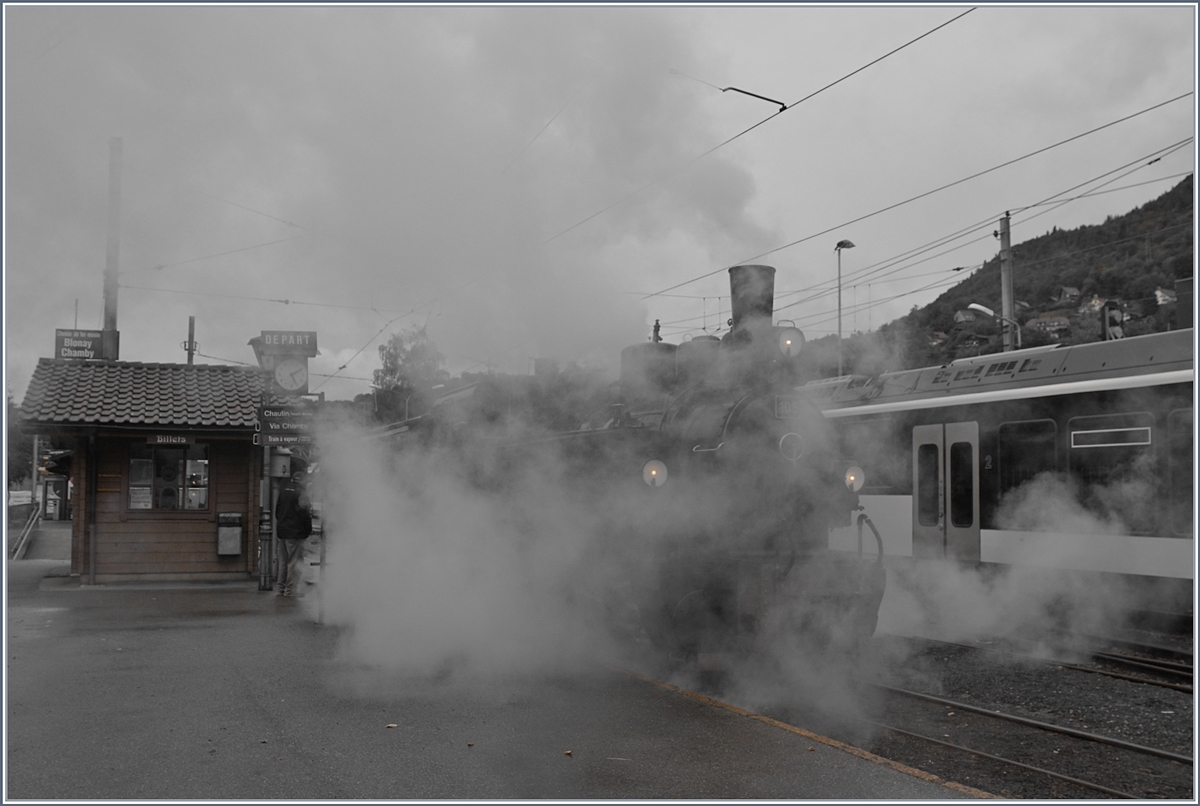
{"points": [[227, 692]]}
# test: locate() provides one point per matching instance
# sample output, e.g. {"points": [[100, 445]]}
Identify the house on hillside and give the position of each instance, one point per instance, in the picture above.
{"points": [[964, 316], [1165, 296], [1050, 324], [1064, 294], [1092, 305]]}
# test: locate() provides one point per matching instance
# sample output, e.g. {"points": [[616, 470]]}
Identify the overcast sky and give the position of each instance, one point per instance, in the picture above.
{"points": [[518, 179]]}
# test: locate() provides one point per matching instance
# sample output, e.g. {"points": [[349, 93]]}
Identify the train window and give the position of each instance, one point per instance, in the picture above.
{"points": [[1026, 449], [882, 448], [1112, 457], [928, 484], [962, 484], [1110, 437], [1179, 451]]}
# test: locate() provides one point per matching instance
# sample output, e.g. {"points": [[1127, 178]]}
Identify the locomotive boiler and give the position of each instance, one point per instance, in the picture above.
{"points": [[741, 481]]}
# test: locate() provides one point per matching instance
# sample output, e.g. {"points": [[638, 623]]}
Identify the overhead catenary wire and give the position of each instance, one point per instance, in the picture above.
{"points": [[248, 364], [162, 266], [541, 131], [927, 193], [873, 272], [1139, 163], [261, 299], [360, 349], [1090, 194], [722, 144], [250, 210]]}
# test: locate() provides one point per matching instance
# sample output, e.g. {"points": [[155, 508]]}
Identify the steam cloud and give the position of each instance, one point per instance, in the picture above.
{"points": [[431, 576]]}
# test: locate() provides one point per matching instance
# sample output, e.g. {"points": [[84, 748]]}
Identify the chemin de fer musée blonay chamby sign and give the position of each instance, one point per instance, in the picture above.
{"points": [[84, 344]]}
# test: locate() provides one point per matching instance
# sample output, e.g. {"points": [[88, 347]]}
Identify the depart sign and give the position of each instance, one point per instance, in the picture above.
{"points": [[289, 342]]}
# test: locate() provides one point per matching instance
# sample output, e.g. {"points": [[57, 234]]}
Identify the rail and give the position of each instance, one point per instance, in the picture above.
{"points": [[22, 545]]}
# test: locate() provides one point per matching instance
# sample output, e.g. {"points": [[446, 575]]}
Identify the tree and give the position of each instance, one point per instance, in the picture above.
{"points": [[20, 445], [412, 366]]}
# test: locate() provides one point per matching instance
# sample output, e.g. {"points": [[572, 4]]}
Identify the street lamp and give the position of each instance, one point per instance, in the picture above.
{"points": [[439, 386], [975, 306], [840, 246]]}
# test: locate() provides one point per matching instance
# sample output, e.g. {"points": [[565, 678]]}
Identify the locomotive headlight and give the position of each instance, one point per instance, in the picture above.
{"points": [[654, 473], [791, 342], [855, 478]]}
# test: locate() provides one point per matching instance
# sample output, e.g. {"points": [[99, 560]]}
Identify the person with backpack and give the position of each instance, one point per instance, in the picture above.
{"points": [[293, 525]]}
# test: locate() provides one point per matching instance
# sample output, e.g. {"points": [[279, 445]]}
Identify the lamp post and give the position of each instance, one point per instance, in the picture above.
{"points": [[975, 306], [840, 246], [432, 388]]}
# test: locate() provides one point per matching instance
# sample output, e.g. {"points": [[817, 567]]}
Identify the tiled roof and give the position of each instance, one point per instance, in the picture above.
{"points": [[133, 393]]}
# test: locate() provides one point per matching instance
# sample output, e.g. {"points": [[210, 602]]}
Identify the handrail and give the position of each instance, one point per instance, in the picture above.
{"points": [[879, 540], [35, 515]]}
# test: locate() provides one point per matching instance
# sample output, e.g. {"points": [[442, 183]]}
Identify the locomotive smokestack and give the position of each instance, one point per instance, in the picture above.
{"points": [[753, 292]]}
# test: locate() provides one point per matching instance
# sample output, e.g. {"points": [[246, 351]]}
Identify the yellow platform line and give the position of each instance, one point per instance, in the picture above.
{"points": [[852, 750]]}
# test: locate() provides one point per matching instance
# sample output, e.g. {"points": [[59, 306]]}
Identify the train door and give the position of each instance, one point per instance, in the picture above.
{"points": [[946, 491]]}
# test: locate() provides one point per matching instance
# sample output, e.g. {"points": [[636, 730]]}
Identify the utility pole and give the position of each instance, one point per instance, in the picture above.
{"points": [[112, 257], [1006, 285], [191, 342]]}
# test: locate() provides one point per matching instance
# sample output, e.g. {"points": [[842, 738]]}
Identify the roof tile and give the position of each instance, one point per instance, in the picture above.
{"points": [[119, 392]]}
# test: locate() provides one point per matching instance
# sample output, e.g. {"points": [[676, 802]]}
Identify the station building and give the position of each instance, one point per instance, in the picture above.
{"points": [[167, 477]]}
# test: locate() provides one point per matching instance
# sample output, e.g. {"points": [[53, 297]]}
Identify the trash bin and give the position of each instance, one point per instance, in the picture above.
{"points": [[229, 533]]}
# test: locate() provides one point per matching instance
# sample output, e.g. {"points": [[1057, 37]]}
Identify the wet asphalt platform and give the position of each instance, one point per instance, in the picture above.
{"points": [[220, 691]]}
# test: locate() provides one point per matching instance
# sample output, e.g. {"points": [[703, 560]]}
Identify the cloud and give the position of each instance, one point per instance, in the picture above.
{"points": [[412, 145]]}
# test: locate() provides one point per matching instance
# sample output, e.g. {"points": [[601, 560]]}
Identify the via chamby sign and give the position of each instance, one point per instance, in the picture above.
{"points": [[81, 345], [284, 425]]}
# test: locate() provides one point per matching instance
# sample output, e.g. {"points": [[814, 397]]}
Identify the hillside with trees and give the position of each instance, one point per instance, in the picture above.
{"points": [[1059, 280]]}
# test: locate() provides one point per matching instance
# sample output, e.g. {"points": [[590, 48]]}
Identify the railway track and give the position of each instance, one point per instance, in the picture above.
{"points": [[1020, 726], [1082, 759], [1148, 666], [1004, 753]]}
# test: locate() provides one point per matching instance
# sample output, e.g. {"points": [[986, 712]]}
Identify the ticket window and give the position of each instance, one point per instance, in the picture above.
{"points": [[168, 478]]}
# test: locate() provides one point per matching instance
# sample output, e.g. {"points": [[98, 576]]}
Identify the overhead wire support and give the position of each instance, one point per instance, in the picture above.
{"points": [[782, 106]]}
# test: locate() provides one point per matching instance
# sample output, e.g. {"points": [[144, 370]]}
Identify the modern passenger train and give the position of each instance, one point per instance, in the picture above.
{"points": [[1077, 458]]}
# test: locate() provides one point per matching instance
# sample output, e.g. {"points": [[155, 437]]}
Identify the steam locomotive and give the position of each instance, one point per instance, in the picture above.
{"points": [[714, 482], [746, 481]]}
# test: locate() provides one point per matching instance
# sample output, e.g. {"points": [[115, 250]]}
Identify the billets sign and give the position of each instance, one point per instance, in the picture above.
{"points": [[289, 342], [85, 344], [285, 425], [171, 439]]}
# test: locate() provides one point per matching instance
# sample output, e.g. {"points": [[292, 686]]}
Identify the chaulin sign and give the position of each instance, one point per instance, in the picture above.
{"points": [[284, 425], [81, 345]]}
